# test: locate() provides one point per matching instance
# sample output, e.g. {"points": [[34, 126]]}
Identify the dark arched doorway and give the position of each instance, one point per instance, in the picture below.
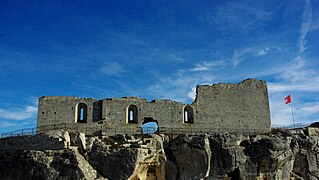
{"points": [[149, 126]]}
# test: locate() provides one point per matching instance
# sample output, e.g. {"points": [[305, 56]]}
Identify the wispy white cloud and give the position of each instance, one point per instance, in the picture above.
{"points": [[112, 69], [4, 124], [266, 50], [297, 71], [310, 108], [299, 86], [240, 55], [180, 87], [191, 94], [306, 22], [20, 114], [175, 56], [208, 65], [240, 15], [32, 99], [263, 51], [299, 78]]}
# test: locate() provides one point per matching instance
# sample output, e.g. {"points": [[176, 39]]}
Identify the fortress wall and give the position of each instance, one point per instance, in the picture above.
{"points": [[62, 109], [168, 113], [234, 106], [223, 107], [115, 109]]}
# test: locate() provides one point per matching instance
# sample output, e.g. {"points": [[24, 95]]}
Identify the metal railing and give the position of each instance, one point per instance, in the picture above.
{"points": [[33, 131], [293, 126], [165, 130], [97, 129], [90, 130], [51, 127], [20, 132], [100, 130]]}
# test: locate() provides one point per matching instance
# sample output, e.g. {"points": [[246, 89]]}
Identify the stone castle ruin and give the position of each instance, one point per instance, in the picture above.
{"points": [[237, 108]]}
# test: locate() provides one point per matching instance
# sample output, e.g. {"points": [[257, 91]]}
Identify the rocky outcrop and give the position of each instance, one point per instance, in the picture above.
{"points": [[281, 155], [190, 155], [112, 161], [53, 140], [33, 164]]}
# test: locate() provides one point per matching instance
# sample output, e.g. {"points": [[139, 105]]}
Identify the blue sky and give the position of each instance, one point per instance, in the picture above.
{"points": [[156, 49]]}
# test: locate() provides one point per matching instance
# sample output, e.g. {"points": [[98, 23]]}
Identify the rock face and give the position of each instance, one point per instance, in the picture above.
{"points": [[33, 164], [112, 162], [280, 155]]}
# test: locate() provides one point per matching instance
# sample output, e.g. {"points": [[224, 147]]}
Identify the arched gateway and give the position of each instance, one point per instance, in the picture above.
{"points": [[149, 126]]}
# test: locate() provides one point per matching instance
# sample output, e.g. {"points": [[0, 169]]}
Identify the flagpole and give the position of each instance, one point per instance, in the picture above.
{"points": [[292, 113]]}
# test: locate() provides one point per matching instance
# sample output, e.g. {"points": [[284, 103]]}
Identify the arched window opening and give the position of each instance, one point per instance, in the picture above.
{"points": [[82, 113], [188, 114], [132, 114]]}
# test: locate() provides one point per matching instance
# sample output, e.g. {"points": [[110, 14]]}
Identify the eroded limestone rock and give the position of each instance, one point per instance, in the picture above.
{"points": [[282, 155], [32, 164], [112, 161]]}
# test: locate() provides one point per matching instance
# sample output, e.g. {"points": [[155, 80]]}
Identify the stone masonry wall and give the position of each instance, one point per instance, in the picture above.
{"points": [[62, 109], [234, 106], [168, 113], [223, 107]]}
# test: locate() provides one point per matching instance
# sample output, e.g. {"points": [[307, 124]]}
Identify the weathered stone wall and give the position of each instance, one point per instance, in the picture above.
{"points": [[63, 109], [168, 113], [222, 107], [233, 106]]}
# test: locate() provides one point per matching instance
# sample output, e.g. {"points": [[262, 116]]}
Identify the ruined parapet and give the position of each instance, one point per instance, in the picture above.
{"points": [[67, 109], [234, 106], [221, 107]]}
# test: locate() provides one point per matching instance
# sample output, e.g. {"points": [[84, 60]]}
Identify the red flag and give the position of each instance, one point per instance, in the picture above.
{"points": [[288, 99]]}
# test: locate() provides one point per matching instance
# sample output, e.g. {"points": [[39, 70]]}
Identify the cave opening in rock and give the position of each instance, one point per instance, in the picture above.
{"points": [[149, 126], [151, 173], [234, 174]]}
